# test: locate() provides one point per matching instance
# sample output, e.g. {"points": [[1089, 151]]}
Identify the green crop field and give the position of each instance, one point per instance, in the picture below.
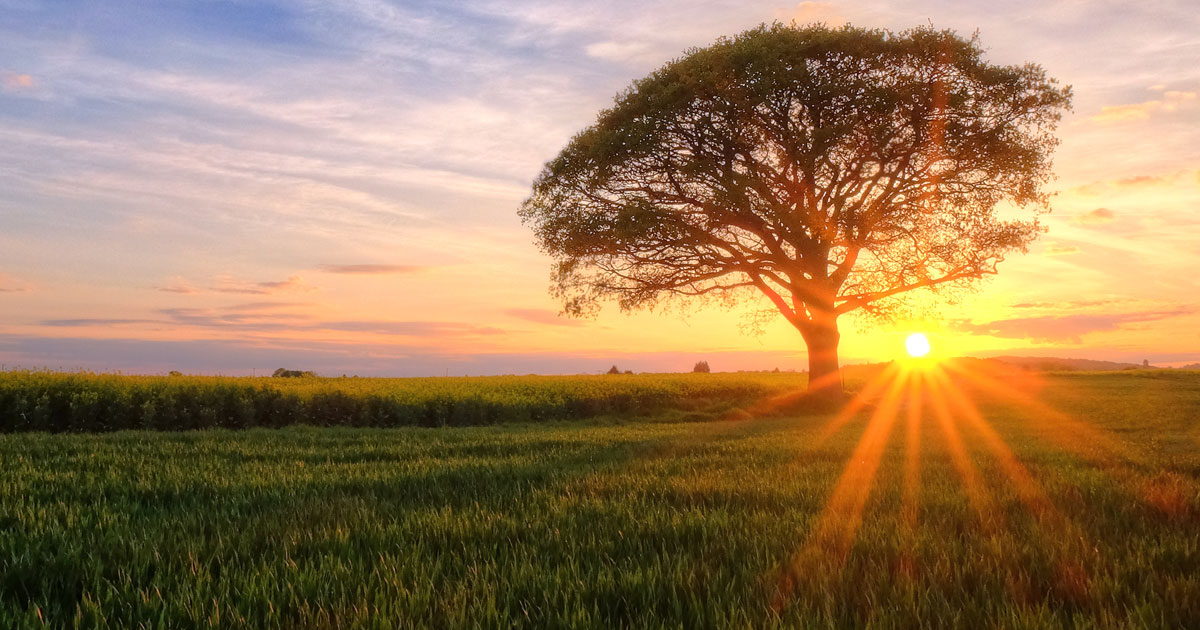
{"points": [[51, 401], [1064, 500]]}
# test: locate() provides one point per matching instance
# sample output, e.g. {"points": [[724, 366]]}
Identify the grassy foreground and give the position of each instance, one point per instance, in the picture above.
{"points": [[1072, 502]]}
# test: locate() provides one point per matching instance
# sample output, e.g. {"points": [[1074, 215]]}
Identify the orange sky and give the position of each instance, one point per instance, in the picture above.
{"points": [[338, 191]]}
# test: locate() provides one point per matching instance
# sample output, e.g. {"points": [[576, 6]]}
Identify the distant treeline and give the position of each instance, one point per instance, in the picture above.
{"points": [[60, 402]]}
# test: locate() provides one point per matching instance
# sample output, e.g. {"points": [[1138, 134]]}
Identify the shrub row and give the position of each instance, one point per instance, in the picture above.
{"points": [[78, 402]]}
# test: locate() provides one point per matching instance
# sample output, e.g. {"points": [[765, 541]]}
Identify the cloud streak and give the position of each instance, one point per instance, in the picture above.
{"points": [[1099, 216], [541, 316], [1064, 328], [370, 269], [1171, 101]]}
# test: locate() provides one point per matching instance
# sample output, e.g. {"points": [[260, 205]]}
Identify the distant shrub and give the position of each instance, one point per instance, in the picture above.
{"points": [[174, 373], [702, 366], [613, 370], [285, 373]]}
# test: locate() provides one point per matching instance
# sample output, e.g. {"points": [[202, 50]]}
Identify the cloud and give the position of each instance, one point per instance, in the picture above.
{"points": [[1099, 216], [8, 284], [262, 317], [411, 329], [1138, 183], [540, 316], [293, 283], [619, 51], [234, 319], [87, 322], [176, 288], [13, 81], [810, 12], [265, 306], [1068, 328], [371, 269], [1069, 304], [1172, 100], [1058, 249]]}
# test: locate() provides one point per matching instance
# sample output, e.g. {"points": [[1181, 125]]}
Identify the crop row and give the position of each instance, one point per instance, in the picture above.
{"points": [[77, 402]]}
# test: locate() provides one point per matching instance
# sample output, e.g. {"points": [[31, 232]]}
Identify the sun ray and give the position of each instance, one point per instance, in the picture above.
{"points": [[909, 498], [837, 526], [889, 375], [989, 517], [1073, 579], [1028, 490], [1064, 431], [1121, 460]]}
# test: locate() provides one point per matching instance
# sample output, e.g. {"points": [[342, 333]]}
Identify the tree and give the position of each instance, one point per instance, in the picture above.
{"points": [[286, 373], [613, 370], [701, 366], [830, 170]]}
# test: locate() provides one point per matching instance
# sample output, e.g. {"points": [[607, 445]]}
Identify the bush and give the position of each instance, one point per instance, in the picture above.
{"points": [[702, 367]]}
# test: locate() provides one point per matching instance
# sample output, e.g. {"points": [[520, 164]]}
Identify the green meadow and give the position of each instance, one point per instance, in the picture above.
{"points": [[1019, 501]]}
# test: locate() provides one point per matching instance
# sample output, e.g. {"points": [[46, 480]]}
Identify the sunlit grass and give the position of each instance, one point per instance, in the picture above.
{"points": [[953, 497]]}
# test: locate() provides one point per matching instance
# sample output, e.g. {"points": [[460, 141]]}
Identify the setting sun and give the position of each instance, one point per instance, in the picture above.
{"points": [[917, 345]]}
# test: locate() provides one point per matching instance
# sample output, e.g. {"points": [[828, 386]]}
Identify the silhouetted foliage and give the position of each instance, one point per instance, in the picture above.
{"points": [[830, 170], [285, 373], [701, 366], [174, 373], [613, 370]]}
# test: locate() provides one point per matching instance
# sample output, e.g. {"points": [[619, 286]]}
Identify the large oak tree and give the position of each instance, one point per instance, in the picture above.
{"points": [[828, 169]]}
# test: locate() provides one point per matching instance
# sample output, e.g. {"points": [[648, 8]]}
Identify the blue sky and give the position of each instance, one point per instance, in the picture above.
{"points": [[231, 186]]}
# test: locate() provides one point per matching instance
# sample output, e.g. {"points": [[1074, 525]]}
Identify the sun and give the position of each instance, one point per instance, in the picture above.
{"points": [[917, 345]]}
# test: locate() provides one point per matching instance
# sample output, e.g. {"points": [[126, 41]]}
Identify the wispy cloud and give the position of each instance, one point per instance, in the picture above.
{"points": [[99, 321], [1099, 216], [412, 329], [1171, 101], [176, 288], [1065, 328], [293, 283], [266, 306], [369, 269], [12, 81], [542, 316], [267, 318], [8, 284], [1070, 304], [1059, 249], [1139, 182]]}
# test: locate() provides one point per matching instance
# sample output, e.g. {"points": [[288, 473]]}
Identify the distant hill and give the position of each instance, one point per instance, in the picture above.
{"points": [[1055, 363]]}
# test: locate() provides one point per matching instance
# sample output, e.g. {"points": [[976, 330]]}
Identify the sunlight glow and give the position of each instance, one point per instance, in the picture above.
{"points": [[908, 396], [917, 345]]}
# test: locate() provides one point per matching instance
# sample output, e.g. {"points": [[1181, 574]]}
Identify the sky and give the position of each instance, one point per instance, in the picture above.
{"points": [[234, 186]]}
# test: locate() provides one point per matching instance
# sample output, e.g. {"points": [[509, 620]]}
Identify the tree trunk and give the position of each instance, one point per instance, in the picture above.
{"points": [[824, 375]]}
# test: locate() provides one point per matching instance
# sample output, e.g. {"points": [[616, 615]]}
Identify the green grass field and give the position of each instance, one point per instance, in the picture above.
{"points": [[1072, 502]]}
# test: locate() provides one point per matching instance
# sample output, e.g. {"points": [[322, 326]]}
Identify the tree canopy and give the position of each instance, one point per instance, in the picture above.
{"points": [[830, 170]]}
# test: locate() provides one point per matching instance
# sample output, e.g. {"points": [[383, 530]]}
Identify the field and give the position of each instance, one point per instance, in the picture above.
{"points": [[952, 500], [57, 402]]}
